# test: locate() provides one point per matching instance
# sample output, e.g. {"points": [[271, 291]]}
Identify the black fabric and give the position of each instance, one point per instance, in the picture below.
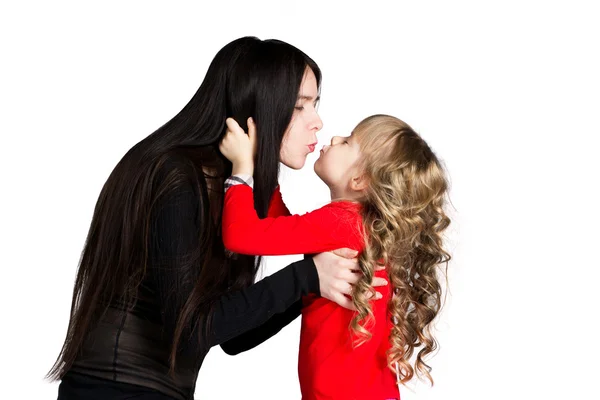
{"points": [[129, 350], [76, 386]]}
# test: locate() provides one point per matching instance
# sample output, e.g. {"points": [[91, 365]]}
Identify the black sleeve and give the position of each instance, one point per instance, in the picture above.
{"points": [[262, 333], [173, 233], [241, 311], [270, 300], [258, 335]]}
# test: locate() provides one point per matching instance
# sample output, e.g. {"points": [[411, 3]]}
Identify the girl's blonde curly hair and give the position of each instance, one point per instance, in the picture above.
{"points": [[403, 221]]}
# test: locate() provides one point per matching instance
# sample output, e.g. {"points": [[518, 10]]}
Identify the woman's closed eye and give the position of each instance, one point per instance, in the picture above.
{"points": [[301, 107]]}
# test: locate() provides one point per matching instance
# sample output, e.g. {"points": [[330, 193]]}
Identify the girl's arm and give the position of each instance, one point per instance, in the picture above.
{"points": [[277, 207], [325, 229]]}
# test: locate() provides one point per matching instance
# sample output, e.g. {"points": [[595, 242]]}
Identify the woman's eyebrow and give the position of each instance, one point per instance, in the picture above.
{"points": [[309, 98]]}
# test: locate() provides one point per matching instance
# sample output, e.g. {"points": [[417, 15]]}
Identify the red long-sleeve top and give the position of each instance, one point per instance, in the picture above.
{"points": [[329, 366]]}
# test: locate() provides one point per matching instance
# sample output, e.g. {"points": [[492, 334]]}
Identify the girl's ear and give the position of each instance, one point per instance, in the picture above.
{"points": [[359, 183]]}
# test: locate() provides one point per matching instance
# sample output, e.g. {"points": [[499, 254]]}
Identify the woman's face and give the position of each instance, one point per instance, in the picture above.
{"points": [[300, 137]]}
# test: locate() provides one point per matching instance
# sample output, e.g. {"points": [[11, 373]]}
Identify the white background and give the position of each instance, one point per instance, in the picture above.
{"points": [[507, 93]]}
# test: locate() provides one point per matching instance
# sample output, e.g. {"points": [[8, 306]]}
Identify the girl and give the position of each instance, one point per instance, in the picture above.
{"points": [[387, 191]]}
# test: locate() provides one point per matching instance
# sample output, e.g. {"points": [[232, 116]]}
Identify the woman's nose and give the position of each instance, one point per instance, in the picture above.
{"points": [[316, 124]]}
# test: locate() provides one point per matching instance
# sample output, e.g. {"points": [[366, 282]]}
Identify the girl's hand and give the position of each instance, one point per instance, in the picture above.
{"points": [[239, 147]]}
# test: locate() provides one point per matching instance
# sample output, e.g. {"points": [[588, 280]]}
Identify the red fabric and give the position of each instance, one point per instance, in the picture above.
{"points": [[328, 365], [277, 207]]}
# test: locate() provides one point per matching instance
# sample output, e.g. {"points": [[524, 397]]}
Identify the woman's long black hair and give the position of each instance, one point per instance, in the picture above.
{"points": [[247, 77]]}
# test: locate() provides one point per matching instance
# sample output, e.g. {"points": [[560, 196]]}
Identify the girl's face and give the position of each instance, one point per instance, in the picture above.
{"points": [[337, 164], [300, 138]]}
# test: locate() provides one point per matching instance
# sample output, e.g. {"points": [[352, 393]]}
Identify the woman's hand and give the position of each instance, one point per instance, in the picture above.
{"points": [[338, 272], [239, 147]]}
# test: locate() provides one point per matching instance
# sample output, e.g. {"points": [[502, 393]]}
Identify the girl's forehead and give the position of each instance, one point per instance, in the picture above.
{"points": [[354, 135], [354, 139]]}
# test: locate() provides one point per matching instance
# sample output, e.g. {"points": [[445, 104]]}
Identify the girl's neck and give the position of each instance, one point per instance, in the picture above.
{"points": [[344, 195]]}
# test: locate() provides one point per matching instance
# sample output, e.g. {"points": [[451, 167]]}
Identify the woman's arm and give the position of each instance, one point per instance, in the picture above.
{"points": [[267, 301], [175, 232], [262, 333], [335, 271]]}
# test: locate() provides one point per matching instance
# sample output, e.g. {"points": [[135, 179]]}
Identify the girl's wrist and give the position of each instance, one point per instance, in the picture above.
{"points": [[243, 168]]}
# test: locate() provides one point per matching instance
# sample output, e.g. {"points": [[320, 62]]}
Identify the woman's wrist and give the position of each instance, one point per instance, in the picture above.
{"points": [[312, 275]]}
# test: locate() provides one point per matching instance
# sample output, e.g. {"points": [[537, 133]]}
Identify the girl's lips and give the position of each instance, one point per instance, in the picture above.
{"points": [[311, 147]]}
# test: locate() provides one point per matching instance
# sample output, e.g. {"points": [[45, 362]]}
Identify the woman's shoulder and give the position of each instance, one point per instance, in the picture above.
{"points": [[174, 161], [175, 174], [181, 166]]}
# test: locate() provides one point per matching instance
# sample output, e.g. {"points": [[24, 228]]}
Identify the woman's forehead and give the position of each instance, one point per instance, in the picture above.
{"points": [[308, 87]]}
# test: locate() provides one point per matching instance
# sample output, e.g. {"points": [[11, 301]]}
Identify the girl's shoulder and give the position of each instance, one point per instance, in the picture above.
{"points": [[344, 207], [346, 219]]}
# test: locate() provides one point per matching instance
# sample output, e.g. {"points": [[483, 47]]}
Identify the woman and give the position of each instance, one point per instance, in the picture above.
{"points": [[155, 289]]}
